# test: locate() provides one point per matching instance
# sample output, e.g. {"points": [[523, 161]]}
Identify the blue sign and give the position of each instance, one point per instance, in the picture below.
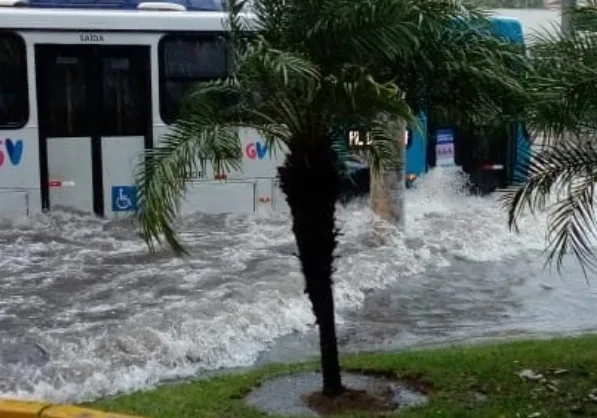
{"points": [[124, 198]]}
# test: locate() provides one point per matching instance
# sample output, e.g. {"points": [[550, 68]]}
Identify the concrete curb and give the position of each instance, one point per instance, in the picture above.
{"points": [[23, 409]]}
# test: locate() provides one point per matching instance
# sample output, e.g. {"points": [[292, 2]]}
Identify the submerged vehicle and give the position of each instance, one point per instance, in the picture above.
{"points": [[88, 85], [491, 156]]}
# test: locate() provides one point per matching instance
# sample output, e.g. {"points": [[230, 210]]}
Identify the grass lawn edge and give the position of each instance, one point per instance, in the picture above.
{"points": [[479, 380]]}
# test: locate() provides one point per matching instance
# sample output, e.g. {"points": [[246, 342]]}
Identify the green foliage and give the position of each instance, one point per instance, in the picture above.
{"points": [[562, 174]]}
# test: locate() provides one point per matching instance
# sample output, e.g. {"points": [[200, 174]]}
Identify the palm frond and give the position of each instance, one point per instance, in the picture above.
{"points": [[584, 17], [275, 84], [239, 23], [469, 76], [566, 171], [460, 73], [357, 31], [162, 179], [563, 85], [207, 132], [359, 96]]}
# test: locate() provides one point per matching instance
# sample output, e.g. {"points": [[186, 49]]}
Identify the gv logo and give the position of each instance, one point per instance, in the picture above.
{"points": [[256, 150], [14, 150]]}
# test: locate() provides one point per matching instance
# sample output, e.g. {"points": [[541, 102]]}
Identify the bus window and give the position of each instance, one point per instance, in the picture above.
{"points": [[67, 114], [124, 89], [184, 61], [14, 104]]}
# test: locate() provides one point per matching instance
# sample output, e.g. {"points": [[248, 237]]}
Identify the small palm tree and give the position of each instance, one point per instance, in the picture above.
{"points": [[562, 170], [305, 68], [308, 66]]}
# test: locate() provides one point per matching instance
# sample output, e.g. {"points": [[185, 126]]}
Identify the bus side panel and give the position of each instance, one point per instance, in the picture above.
{"points": [[512, 29], [19, 166], [416, 149], [14, 203], [219, 197], [523, 149], [252, 188], [19, 147], [121, 157]]}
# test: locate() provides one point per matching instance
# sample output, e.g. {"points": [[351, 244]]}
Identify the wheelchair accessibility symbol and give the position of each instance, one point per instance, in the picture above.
{"points": [[124, 198]]}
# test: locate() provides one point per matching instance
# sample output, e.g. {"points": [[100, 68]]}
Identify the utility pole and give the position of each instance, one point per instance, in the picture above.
{"points": [[566, 24]]}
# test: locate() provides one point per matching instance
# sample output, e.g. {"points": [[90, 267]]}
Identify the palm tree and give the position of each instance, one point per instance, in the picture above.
{"points": [[561, 172], [308, 65]]}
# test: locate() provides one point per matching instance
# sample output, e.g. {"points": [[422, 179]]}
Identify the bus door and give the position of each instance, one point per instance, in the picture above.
{"points": [[94, 122]]}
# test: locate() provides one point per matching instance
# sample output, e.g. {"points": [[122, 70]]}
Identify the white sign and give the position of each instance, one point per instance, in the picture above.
{"points": [[444, 148]]}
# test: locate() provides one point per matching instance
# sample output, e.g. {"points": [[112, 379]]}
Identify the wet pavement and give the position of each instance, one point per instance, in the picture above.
{"points": [[86, 311]]}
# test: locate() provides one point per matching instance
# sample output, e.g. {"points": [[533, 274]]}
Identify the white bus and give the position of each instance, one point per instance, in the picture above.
{"points": [[83, 92]]}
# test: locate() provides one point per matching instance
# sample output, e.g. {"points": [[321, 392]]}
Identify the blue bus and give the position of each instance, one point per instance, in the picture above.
{"points": [[492, 159]]}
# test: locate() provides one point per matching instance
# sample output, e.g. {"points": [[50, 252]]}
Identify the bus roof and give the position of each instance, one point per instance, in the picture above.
{"points": [[127, 19], [19, 18], [197, 5]]}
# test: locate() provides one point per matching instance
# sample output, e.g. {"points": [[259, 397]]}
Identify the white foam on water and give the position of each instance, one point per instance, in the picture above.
{"points": [[448, 220], [86, 311]]}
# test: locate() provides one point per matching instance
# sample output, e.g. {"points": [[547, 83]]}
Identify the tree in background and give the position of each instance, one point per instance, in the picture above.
{"points": [[562, 172], [308, 65]]}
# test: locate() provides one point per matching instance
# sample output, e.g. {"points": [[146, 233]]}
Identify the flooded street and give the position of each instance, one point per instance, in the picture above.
{"points": [[87, 311], [466, 302]]}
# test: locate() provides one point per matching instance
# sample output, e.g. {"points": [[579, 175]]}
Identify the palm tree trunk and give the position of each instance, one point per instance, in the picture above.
{"points": [[311, 183], [387, 189]]}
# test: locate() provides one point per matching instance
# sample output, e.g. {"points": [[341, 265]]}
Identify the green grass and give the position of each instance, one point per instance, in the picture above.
{"points": [[457, 374]]}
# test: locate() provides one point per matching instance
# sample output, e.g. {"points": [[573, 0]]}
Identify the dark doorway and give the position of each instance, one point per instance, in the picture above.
{"points": [[85, 93]]}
